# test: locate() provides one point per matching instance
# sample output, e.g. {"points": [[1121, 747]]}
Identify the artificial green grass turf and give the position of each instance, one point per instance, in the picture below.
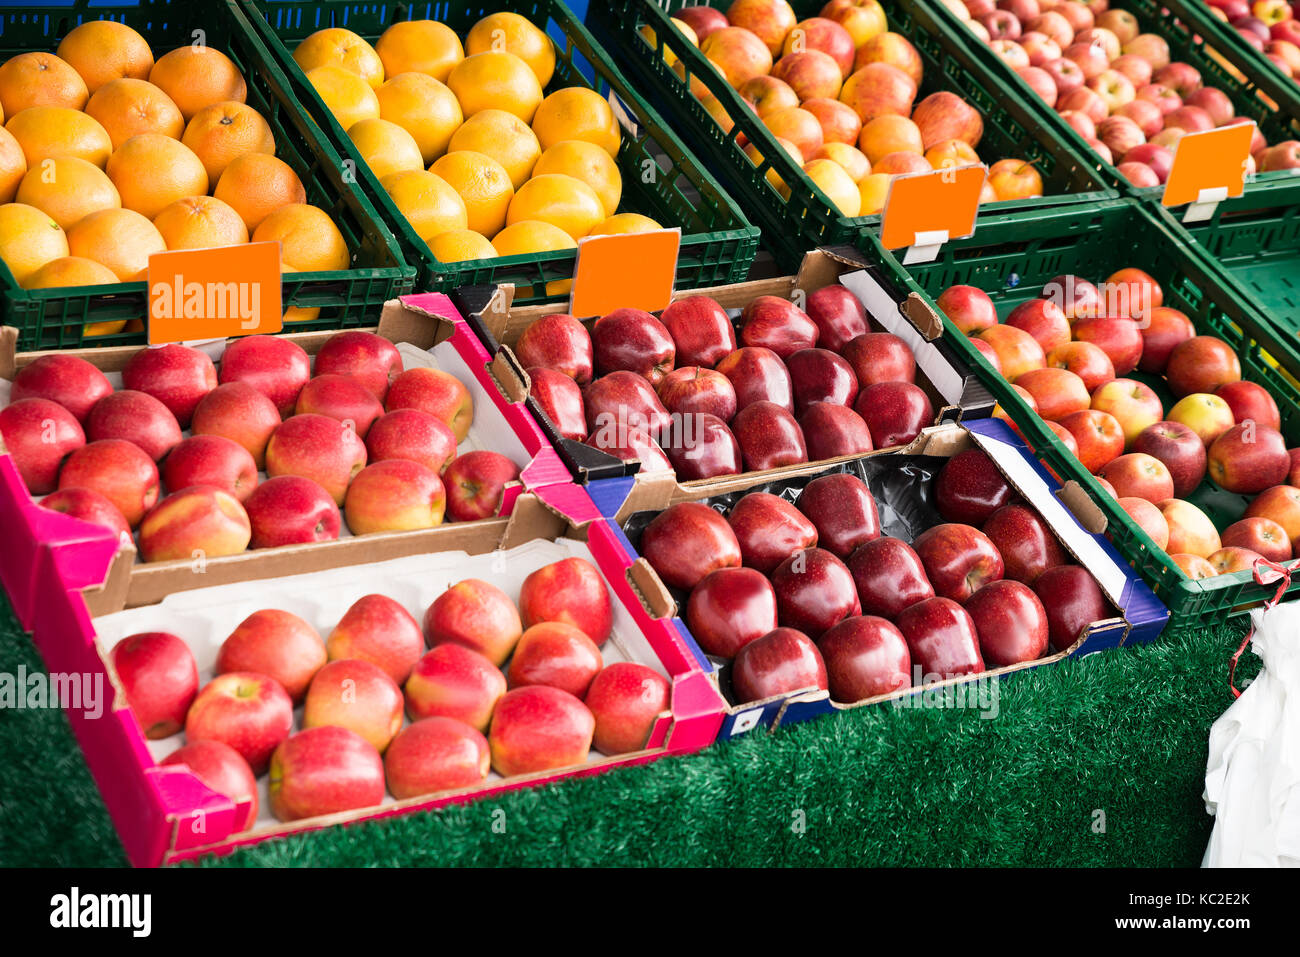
{"points": [[1123, 732]]}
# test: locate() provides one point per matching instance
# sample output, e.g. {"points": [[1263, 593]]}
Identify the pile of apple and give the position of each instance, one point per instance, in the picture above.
{"points": [[1115, 85], [1272, 27], [809, 594], [355, 432], [675, 392], [468, 708], [838, 92], [1068, 354]]}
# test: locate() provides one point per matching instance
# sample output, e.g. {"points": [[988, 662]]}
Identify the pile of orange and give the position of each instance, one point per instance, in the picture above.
{"points": [[461, 136], [108, 156]]}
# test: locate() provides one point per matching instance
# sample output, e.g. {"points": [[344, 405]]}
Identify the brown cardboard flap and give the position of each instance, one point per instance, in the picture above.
{"points": [[8, 352], [822, 267], [112, 595], [532, 518], [651, 590], [509, 375], [1081, 505], [920, 314], [944, 441]]}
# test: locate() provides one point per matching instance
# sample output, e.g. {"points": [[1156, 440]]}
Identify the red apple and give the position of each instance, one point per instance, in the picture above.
{"points": [[1027, 546], [1138, 475], [767, 528], [1120, 339], [777, 324], [377, 629], [539, 728], [1073, 601], [89, 506], [324, 770], [115, 468], [1259, 534], [250, 712], [1148, 518], [941, 638], [413, 435], [438, 754], [959, 559], [1010, 621], [624, 400], [635, 445], [136, 417], [277, 368], [1201, 364], [291, 510], [436, 392], [701, 331], [211, 460], [275, 643], [969, 307], [730, 608], [970, 488], [865, 656], [356, 695], [626, 699], [889, 577], [1248, 459], [454, 681], [340, 397], [759, 374], [895, 412], [160, 677], [1251, 402], [240, 413], [571, 591], [1181, 451], [477, 615], [769, 437], [814, 591], [632, 340], [779, 663], [222, 769], [1281, 504], [1088, 361], [371, 360], [560, 399], [68, 380], [475, 484], [842, 510], [701, 446], [838, 315], [558, 342], [687, 541], [40, 435], [698, 389]]}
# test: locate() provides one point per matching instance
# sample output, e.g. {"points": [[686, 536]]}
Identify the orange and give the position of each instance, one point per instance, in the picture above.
{"points": [[28, 240], [504, 137], [53, 131], [482, 184], [151, 171], [385, 147], [67, 189], [105, 50], [71, 271], [496, 80], [119, 239], [350, 98], [589, 163], [560, 200], [40, 79], [309, 240], [13, 166], [531, 236], [839, 187], [200, 222], [219, 133], [511, 33], [577, 113], [198, 76], [625, 223], [257, 184], [461, 245], [427, 201], [336, 46], [128, 107], [423, 107], [297, 313], [419, 46]]}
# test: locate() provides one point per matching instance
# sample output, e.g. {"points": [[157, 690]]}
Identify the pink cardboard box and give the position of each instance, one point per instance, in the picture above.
{"points": [[165, 814]]}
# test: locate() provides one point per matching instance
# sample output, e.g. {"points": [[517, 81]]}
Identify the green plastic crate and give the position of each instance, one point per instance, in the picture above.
{"points": [[1012, 125], [1013, 257], [718, 243], [55, 318], [1256, 238], [1254, 96]]}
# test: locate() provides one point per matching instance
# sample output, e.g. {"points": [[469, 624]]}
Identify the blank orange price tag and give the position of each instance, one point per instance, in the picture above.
{"points": [[1209, 166], [633, 270], [214, 293], [926, 205]]}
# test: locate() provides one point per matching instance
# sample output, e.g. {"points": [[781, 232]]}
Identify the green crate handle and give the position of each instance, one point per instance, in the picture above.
{"points": [[718, 242], [1070, 240], [807, 217], [1188, 41], [55, 318]]}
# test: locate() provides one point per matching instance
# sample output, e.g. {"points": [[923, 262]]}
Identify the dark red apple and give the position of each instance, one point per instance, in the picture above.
{"points": [[1010, 621], [970, 488], [769, 437], [758, 375], [880, 357], [730, 608], [941, 638], [633, 445], [843, 511], [769, 530], [814, 592], [1073, 600], [698, 389], [1180, 449], [819, 375], [558, 342], [831, 430], [1027, 546], [838, 315], [560, 398], [959, 559], [889, 577], [1119, 338], [865, 656], [895, 412], [701, 446], [701, 330], [780, 663], [1166, 328], [1248, 459], [774, 323], [687, 541], [632, 340], [624, 400]]}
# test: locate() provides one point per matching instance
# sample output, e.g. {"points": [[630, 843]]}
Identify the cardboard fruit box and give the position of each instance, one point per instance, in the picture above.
{"points": [[904, 503], [954, 393], [427, 330], [165, 814]]}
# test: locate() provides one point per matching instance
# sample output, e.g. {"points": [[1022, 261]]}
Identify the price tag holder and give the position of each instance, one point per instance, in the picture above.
{"points": [[1208, 167], [206, 294], [633, 270], [925, 210]]}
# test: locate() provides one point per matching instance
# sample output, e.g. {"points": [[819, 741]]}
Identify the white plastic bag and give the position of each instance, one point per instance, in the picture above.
{"points": [[1252, 778]]}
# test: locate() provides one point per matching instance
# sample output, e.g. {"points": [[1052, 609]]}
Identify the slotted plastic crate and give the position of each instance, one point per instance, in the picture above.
{"points": [[661, 178], [1013, 126], [56, 318], [1255, 96], [1012, 258]]}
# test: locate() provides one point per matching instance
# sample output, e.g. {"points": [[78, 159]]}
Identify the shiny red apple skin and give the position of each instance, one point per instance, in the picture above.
{"points": [[278, 368], [160, 677], [701, 446], [560, 399], [1011, 623], [67, 380], [1250, 400], [437, 754], [941, 638], [1248, 459], [865, 656], [839, 316], [1166, 329], [38, 435], [970, 488], [622, 400], [1073, 600], [698, 389], [701, 330], [557, 655], [1027, 546], [889, 576], [1180, 449], [325, 770], [819, 375], [959, 559], [340, 397], [969, 307], [779, 663], [842, 509], [831, 430], [89, 506], [291, 510], [634, 341], [758, 375], [1259, 534], [1201, 364], [539, 728], [814, 592], [1138, 475], [415, 435], [571, 591], [475, 484], [895, 412], [626, 699], [768, 530], [370, 359], [1098, 435], [118, 470], [136, 417], [559, 342], [249, 712], [769, 437], [1042, 319], [635, 445], [687, 541], [774, 323], [880, 357], [211, 460], [1086, 360], [1119, 338], [730, 608]]}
